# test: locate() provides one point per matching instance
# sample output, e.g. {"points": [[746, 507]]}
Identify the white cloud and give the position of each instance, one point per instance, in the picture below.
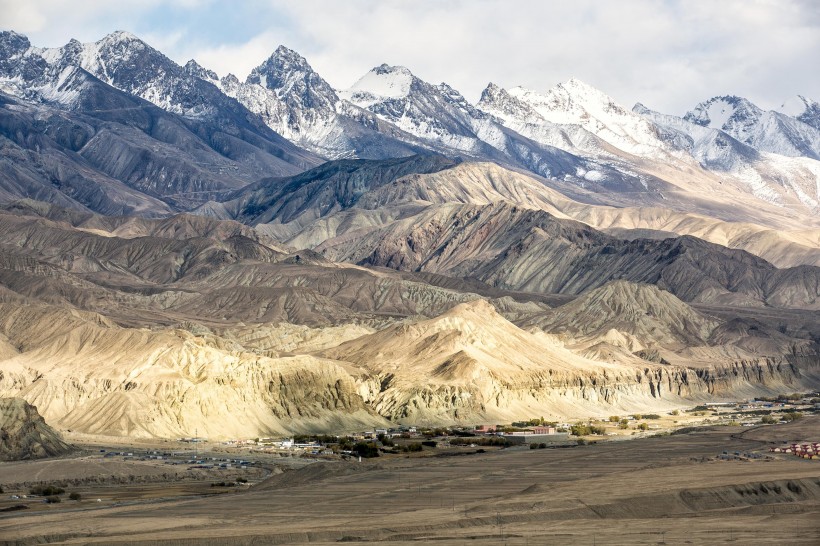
{"points": [[240, 59], [52, 22], [668, 54]]}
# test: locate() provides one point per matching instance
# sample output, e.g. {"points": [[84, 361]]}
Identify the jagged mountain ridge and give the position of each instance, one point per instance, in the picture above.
{"points": [[778, 164], [612, 157], [720, 151], [803, 109], [531, 250], [440, 114], [349, 208], [298, 103], [181, 153], [333, 186], [770, 131], [171, 270], [295, 101]]}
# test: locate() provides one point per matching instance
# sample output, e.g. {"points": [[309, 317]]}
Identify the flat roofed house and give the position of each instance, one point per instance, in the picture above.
{"points": [[542, 429]]}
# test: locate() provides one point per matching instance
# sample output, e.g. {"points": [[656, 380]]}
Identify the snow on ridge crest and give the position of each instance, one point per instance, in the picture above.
{"points": [[383, 82]]}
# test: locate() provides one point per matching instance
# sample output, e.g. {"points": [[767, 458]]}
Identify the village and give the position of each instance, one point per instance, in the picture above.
{"points": [[534, 433]]}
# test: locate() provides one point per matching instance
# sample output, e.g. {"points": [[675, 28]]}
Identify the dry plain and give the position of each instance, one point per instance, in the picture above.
{"points": [[661, 490]]}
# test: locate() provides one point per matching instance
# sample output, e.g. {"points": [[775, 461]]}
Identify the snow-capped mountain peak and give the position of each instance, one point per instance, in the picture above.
{"points": [[498, 102], [767, 131], [294, 81], [282, 61], [803, 109], [382, 83], [575, 103], [569, 102], [195, 69], [120, 36], [231, 79], [12, 48], [735, 115]]}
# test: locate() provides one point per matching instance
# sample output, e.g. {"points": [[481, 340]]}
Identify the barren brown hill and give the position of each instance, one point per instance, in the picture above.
{"points": [[531, 250], [471, 364], [648, 315], [357, 197], [161, 328]]}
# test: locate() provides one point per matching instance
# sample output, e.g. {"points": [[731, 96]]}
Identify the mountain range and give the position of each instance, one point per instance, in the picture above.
{"points": [[246, 257]]}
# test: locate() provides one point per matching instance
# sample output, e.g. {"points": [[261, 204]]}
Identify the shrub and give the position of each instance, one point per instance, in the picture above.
{"points": [[614, 418], [637, 416], [241, 480], [586, 430], [429, 443], [623, 425], [53, 499], [768, 420], [386, 441], [643, 426], [366, 449], [651, 416], [792, 416], [675, 412], [542, 446], [414, 447], [75, 496], [533, 446], [46, 490]]}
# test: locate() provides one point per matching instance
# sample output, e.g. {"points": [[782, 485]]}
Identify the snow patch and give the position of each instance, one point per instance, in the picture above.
{"points": [[794, 106], [389, 82], [719, 113]]}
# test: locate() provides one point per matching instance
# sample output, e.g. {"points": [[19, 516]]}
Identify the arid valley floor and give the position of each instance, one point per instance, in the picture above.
{"points": [[663, 490]]}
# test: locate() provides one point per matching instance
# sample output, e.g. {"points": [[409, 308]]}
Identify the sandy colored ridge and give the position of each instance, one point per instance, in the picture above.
{"points": [[25, 435]]}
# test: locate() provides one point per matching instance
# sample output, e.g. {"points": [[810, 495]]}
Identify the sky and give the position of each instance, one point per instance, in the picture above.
{"points": [[667, 54]]}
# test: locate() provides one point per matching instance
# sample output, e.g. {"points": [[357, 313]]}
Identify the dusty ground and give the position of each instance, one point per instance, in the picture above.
{"points": [[660, 490]]}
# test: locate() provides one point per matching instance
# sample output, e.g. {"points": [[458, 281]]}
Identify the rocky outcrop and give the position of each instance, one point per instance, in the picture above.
{"points": [[25, 435]]}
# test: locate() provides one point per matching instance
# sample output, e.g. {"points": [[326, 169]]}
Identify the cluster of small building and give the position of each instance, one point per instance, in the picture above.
{"points": [[180, 458], [288, 444], [804, 451], [538, 434], [216, 463]]}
